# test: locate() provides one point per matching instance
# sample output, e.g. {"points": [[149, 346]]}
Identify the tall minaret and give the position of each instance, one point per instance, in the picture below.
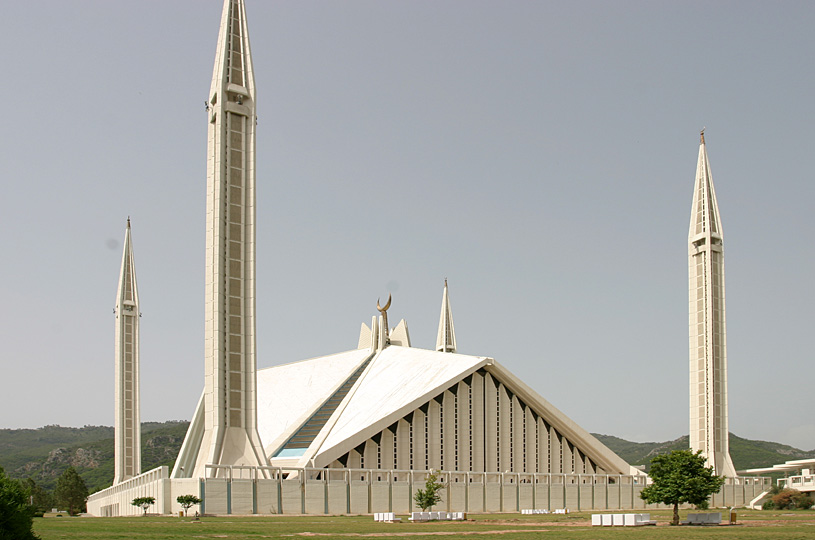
{"points": [[708, 348], [127, 427], [230, 404], [446, 338]]}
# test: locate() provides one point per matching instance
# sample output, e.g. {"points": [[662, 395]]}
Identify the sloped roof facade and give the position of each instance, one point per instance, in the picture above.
{"points": [[398, 392]]}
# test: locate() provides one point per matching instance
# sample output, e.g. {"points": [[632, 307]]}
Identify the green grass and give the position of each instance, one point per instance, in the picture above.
{"points": [[752, 525]]}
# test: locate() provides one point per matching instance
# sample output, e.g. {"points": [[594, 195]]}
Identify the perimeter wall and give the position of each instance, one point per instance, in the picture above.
{"points": [[269, 490]]}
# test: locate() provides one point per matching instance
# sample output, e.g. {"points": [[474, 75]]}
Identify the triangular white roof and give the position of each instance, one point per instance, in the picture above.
{"points": [[395, 381], [398, 380], [288, 394]]}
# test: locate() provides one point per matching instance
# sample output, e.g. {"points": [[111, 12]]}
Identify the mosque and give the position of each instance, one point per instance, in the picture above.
{"points": [[356, 431]]}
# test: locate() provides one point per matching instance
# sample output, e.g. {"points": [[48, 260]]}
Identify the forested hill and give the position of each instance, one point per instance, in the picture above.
{"points": [[746, 454], [43, 454]]}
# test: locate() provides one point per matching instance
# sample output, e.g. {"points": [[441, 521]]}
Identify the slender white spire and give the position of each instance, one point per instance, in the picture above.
{"points": [[708, 345], [127, 424], [230, 435], [446, 338]]}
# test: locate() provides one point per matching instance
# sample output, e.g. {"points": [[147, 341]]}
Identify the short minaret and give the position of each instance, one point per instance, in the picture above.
{"points": [[230, 434], [127, 426], [708, 347], [446, 338]]}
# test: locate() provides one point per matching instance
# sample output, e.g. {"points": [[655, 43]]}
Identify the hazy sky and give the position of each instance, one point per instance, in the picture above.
{"points": [[539, 155]]}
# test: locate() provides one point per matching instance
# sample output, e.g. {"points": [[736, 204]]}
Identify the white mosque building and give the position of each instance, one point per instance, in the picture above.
{"points": [[356, 431]]}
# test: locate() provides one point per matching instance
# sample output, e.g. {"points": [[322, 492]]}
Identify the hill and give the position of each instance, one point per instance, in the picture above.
{"points": [[746, 453], [44, 453]]}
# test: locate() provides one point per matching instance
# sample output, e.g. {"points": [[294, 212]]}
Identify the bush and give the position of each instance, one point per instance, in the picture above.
{"points": [[787, 499], [803, 501], [15, 514]]}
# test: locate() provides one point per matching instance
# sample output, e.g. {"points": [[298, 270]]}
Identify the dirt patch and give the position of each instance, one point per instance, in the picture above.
{"points": [[423, 533]]}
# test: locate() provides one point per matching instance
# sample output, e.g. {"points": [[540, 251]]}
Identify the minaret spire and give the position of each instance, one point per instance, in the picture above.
{"points": [[446, 338], [708, 346], [230, 435], [127, 423]]}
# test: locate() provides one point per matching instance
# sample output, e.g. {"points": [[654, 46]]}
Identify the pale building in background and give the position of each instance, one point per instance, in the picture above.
{"points": [[708, 345], [127, 426]]}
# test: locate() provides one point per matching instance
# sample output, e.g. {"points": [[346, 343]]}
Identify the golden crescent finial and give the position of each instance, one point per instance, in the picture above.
{"points": [[702, 134], [387, 304]]}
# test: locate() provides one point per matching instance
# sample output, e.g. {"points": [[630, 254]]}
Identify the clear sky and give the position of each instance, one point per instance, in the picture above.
{"points": [[539, 155]]}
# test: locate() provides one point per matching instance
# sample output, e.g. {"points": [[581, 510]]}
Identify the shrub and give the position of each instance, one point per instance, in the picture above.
{"points": [[802, 501], [790, 498], [15, 514]]}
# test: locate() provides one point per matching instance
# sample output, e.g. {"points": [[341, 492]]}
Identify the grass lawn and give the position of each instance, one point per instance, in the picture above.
{"points": [[752, 525]]}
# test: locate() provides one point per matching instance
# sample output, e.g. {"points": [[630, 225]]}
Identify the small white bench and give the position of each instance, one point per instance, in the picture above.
{"points": [[441, 516], [706, 518], [386, 517], [621, 520], [535, 511]]}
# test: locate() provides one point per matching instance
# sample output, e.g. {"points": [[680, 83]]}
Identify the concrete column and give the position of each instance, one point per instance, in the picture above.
{"points": [[434, 434], [555, 451], [478, 422], [531, 441], [449, 431], [402, 445], [543, 447], [464, 435], [518, 436], [491, 423], [504, 431]]}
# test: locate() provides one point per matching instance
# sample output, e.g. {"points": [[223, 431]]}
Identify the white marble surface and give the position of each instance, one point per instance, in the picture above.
{"points": [[397, 381], [290, 392]]}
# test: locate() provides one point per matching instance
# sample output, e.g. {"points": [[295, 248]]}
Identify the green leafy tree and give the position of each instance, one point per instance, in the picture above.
{"points": [[186, 501], [681, 477], [431, 494], [40, 499], [144, 503], [15, 514], [71, 492]]}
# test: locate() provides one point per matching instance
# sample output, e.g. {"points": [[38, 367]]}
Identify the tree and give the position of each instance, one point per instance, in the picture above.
{"points": [[430, 495], [186, 501], [144, 503], [681, 477], [41, 500], [15, 514], [788, 499], [803, 501], [71, 491]]}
